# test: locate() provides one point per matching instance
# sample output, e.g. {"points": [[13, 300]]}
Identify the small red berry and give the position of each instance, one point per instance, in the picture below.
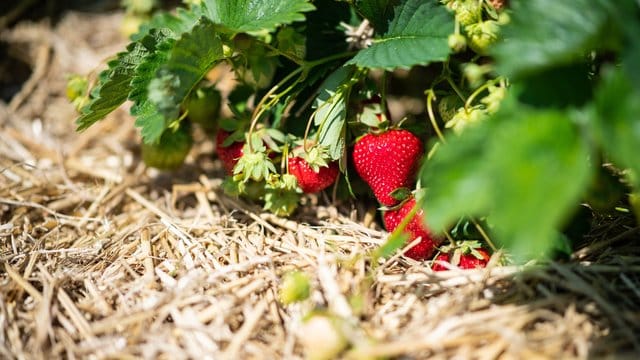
{"points": [[309, 180], [229, 155], [471, 261], [467, 260], [415, 229], [438, 262]]}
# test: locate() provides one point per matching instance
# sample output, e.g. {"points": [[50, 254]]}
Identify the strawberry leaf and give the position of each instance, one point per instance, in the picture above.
{"points": [[148, 118], [395, 241], [113, 86], [178, 71], [331, 111], [556, 165], [178, 23], [417, 35], [484, 172], [256, 15], [378, 12], [617, 121], [549, 32]]}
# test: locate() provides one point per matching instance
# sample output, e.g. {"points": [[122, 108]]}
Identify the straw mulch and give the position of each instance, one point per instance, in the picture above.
{"points": [[103, 258]]}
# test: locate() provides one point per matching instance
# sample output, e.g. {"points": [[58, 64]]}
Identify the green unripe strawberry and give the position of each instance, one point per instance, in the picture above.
{"points": [[203, 107], [77, 90], [280, 197], [295, 287], [251, 190], [494, 98], [448, 105], [77, 86], [171, 150], [468, 11], [322, 337], [482, 35], [457, 42], [464, 118]]}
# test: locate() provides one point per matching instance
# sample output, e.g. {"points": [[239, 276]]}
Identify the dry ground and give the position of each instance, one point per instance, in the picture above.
{"points": [[103, 258]]}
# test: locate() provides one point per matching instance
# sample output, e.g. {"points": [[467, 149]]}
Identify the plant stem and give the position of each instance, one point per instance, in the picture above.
{"points": [[455, 88], [484, 235], [430, 97], [303, 70]]}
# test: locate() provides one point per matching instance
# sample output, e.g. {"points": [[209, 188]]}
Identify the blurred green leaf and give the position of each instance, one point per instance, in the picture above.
{"points": [[617, 120], [526, 169], [557, 87], [545, 33], [538, 166], [394, 242], [456, 179]]}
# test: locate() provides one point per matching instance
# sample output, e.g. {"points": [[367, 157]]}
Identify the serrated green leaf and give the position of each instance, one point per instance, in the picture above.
{"points": [[417, 35], [331, 111], [148, 118], [113, 87], [157, 54], [617, 121], [177, 66], [378, 12], [549, 32], [255, 15], [176, 24]]}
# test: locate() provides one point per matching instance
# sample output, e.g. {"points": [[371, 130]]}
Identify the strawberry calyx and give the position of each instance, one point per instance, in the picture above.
{"points": [[282, 194], [315, 156], [466, 254], [402, 195], [313, 169]]}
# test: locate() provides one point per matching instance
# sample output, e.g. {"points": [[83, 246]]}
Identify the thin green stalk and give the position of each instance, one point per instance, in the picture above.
{"points": [[430, 97]]}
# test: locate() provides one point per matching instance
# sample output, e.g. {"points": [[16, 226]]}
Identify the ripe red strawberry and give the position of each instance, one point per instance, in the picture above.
{"points": [[466, 261], [311, 181], [230, 154], [415, 228], [388, 161]]}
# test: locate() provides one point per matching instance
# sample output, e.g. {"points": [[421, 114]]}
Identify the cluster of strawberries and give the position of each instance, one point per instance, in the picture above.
{"points": [[387, 160], [310, 178]]}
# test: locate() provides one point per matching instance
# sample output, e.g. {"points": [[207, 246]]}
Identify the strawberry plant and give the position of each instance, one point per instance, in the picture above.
{"points": [[524, 103]]}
